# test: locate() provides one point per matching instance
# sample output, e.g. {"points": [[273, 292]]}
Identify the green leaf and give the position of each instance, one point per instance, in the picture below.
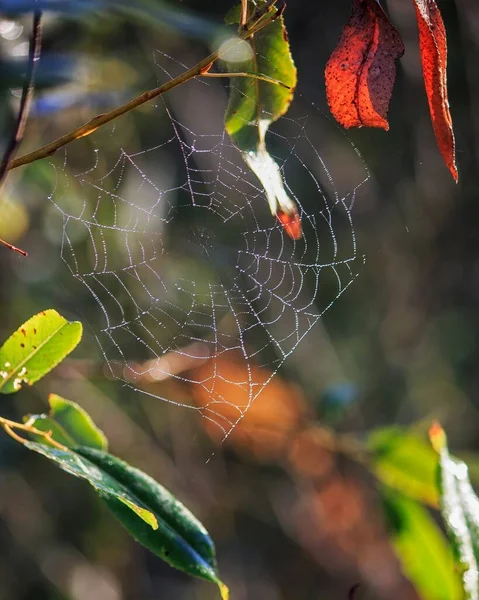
{"points": [[36, 348], [460, 510], [405, 462], [233, 15], [106, 486], [426, 557], [69, 424], [151, 514], [255, 104]]}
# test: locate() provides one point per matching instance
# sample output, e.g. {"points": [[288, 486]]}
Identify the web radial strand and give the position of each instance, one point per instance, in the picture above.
{"points": [[177, 249]]}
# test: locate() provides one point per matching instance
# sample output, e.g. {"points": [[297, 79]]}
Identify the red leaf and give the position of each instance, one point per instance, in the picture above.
{"points": [[433, 46], [291, 224], [361, 71]]}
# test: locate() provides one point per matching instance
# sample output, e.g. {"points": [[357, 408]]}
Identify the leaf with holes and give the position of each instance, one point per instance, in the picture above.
{"points": [[460, 510], [36, 348], [255, 104], [69, 424], [426, 557], [405, 462], [361, 71], [433, 47]]}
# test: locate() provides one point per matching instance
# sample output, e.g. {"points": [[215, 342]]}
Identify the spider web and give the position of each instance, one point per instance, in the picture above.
{"points": [[178, 250]]}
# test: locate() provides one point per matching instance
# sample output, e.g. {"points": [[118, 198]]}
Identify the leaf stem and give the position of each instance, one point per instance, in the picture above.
{"points": [[262, 16], [12, 434], [259, 76]]}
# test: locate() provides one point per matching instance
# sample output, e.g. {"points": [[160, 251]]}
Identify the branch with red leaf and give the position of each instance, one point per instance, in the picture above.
{"points": [[361, 71]]}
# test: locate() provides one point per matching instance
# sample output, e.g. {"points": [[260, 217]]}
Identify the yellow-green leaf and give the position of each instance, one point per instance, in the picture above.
{"points": [[36, 348], [405, 462], [427, 559]]}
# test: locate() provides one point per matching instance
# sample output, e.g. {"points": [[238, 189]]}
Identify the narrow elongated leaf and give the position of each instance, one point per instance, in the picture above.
{"points": [[36, 348], [361, 71], [181, 540], [106, 486], [255, 104], [161, 501], [433, 47], [69, 424], [152, 515], [460, 509], [426, 557], [405, 462]]}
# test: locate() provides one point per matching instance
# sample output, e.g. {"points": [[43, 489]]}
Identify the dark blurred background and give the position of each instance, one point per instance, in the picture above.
{"points": [[400, 346]]}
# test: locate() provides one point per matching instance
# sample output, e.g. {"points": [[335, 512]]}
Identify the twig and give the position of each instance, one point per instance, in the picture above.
{"points": [[198, 70], [9, 427], [12, 434], [13, 248], [105, 118], [244, 12], [259, 14], [24, 110], [27, 95]]}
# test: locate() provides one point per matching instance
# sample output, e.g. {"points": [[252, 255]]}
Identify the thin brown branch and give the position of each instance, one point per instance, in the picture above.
{"points": [[105, 118], [12, 434], [24, 109], [13, 248], [27, 95], [198, 70], [244, 12]]}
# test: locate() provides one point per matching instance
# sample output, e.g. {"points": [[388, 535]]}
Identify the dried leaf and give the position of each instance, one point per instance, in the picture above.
{"points": [[361, 71], [433, 46], [291, 224]]}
